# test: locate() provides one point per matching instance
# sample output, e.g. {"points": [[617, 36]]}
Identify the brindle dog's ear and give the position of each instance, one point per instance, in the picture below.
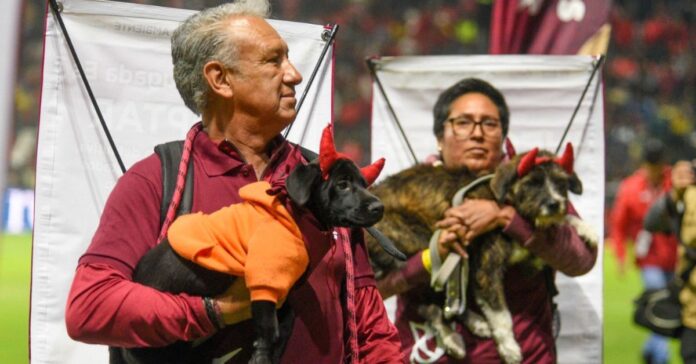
{"points": [[505, 176], [574, 184], [301, 181]]}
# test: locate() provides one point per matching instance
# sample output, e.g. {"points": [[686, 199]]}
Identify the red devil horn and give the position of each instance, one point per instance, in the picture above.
{"points": [[509, 149], [567, 160], [527, 162], [327, 151], [372, 171]]}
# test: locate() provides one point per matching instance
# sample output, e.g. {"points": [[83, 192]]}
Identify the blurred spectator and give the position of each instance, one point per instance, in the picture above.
{"points": [[656, 254], [676, 211]]}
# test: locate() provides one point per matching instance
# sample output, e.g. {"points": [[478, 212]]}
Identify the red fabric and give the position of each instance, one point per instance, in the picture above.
{"points": [[106, 307], [527, 296], [634, 197], [555, 27]]}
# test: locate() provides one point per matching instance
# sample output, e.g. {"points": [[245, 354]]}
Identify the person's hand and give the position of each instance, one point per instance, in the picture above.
{"points": [[682, 176], [235, 304], [449, 241], [475, 217]]}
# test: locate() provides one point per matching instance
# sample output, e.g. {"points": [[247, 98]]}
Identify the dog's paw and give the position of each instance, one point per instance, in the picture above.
{"points": [[584, 230], [477, 325], [454, 345], [260, 358], [510, 351]]}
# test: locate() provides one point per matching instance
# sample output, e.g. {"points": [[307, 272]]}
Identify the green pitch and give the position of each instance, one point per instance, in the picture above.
{"points": [[622, 340], [15, 272]]}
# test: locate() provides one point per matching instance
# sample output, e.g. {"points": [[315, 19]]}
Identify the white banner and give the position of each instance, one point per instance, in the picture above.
{"points": [[125, 51], [10, 17], [541, 92]]}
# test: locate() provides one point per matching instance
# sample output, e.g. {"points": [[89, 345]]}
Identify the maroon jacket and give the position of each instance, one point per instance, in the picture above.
{"points": [[106, 307], [527, 297]]}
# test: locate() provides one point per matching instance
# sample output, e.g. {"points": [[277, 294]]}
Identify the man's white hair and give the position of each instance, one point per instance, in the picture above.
{"points": [[203, 37]]}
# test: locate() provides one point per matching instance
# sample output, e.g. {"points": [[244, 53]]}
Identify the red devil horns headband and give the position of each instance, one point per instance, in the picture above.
{"points": [[372, 171], [530, 160], [328, 156]]}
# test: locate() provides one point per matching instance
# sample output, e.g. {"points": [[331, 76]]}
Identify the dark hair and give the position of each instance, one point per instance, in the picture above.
{"points": [[441, 109], [653, 151]]}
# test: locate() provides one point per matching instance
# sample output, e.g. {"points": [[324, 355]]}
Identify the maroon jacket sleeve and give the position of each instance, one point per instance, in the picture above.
{"points": [[378, 338], [560, 247], [104, 305]]}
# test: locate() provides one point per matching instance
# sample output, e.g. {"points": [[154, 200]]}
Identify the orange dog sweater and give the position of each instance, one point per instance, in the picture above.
{"points": [[256, 239]]}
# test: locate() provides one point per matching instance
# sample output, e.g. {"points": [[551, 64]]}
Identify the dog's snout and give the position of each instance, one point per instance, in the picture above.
{"points": [[375, 209], [553, 205]]}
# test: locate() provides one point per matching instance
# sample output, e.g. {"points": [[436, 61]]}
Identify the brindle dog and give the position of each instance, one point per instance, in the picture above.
{"points": [[415, 199]]}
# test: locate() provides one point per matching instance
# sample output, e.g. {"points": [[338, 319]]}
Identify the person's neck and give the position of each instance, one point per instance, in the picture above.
{"points": [[251, 142]]}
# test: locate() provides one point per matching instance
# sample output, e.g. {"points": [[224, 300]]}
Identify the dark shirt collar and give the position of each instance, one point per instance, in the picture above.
{"points": [[223, 157]]}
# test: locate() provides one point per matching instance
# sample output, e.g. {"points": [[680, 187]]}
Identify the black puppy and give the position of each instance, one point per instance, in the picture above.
{"points": [[332, 188]]}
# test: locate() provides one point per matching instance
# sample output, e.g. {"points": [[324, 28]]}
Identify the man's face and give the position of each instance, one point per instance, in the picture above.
{"points": [[264, 80], [473, 135]]}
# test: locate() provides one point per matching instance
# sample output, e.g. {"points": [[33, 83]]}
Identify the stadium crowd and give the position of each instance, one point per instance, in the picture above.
{"points": [[650, 67]]}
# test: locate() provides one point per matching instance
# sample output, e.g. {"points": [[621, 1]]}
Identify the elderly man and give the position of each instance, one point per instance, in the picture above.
{"points": [[232, 68]]}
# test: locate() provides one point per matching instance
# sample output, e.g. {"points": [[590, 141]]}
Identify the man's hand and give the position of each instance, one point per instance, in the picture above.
{"points": [[472, 218], [235, 304]]}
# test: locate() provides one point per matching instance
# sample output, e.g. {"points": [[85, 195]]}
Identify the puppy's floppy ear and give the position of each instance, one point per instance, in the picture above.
{"points": [[574, 184], [300, 182], [505, 176]]}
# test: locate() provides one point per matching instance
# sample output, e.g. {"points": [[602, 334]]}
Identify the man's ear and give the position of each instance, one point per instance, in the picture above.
{"points": [[504, 177], [218, 78], [301, 181], [574, 184]]}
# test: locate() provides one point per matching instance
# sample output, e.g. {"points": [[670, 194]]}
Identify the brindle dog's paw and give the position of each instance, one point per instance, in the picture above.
{"points": [[477, 325], [584, 230], [510, 351]]}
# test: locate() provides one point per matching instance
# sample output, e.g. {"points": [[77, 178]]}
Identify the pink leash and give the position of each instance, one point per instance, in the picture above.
{"points": [[180, 180], [342, 235]]}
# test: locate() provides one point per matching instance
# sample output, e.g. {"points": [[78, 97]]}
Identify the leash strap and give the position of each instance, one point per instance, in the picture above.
{"points": [[342, 237], [180, 180], [452, 275]]}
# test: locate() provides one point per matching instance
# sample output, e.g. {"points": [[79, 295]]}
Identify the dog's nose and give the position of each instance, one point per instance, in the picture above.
{"points": [[553, 206], [375, 209]]}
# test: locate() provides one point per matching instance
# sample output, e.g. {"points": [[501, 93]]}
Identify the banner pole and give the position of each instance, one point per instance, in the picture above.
{"points": [[328, 35], [597, 64], [371, 65], [57, 8]]}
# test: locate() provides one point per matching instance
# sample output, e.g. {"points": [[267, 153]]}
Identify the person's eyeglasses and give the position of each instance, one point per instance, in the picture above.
{"points": [[464, 125]]}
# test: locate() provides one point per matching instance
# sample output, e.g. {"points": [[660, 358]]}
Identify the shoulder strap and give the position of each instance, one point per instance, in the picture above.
{"points": [[170, 156], [308, 154]]}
